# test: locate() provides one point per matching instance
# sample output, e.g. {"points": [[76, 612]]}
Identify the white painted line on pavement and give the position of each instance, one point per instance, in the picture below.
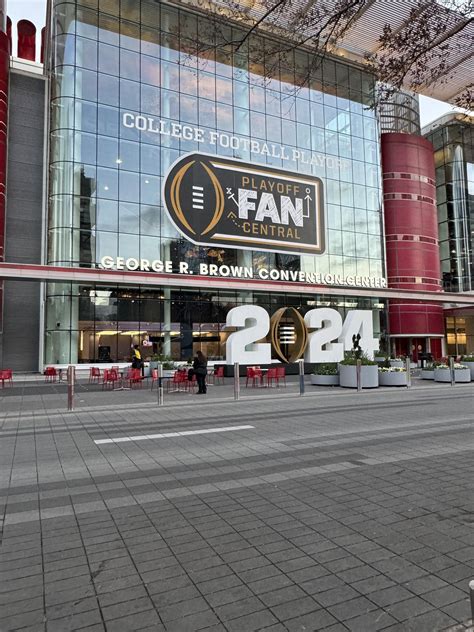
{"points": [[165, 435]]}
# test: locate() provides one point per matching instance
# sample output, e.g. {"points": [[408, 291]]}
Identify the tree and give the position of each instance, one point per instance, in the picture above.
{"points": [[419, 46]]}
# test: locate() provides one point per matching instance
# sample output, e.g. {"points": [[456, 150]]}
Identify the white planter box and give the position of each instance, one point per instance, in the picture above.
{"points": [[392, 378], [444, 375], [324, 380], [369, 375], [427, 375], [397, 363], [471, 366]]}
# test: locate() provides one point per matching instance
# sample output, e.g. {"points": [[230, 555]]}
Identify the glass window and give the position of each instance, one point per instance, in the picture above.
{"points": [[107, 154], [85, 148], [130, 95], [130, 66], [188, 80], [129, 186], [150, 190], [150, 98], [106, 244], [108, 90], [128, 156], [107, 215], [129, 218], [107, 120], [86, 53], [129, 246], [108, 59], [107, 183]]}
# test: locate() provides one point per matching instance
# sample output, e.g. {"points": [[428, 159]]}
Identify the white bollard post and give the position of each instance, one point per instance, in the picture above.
{"points": [[452, 371], [236, 381], [71, 378], [301, 374], [408, 370], [359, 375], [160, 384]]}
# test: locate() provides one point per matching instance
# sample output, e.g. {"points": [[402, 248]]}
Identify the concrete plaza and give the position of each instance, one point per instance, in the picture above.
{"points": [[333, 511]]}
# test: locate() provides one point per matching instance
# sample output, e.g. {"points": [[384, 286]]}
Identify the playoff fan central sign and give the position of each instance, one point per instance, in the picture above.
{"points": [[219, 201]]}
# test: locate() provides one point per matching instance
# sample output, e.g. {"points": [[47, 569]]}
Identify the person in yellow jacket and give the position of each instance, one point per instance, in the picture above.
{"points": [[137, 362]]}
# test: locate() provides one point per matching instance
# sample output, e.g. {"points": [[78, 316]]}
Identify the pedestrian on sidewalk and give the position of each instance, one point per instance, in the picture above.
{"points": [[200, 371]]}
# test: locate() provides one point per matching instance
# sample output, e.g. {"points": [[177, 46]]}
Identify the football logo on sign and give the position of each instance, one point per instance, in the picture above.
{"points": [[219, 201]]}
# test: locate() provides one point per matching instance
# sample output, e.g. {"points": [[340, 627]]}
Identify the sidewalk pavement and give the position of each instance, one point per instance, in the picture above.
{"points": [[331, 512], [32, 395]]}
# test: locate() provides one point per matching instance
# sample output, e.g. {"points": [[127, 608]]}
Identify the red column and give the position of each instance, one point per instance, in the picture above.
{"points": [[411, 233], [26, 40], [4, 65]]}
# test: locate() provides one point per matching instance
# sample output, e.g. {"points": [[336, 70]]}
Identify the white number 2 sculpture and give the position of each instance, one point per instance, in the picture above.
{"points": [[253, 323]]}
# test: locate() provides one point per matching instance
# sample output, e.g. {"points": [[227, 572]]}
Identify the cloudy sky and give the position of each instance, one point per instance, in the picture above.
{"points": [[35, 10]]}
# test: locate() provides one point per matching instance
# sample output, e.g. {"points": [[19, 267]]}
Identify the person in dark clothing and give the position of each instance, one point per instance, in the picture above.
{"points": [[200, 371]]}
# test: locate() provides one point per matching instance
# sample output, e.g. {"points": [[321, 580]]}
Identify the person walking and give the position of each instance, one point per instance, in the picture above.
{"points": [[200, 371]]}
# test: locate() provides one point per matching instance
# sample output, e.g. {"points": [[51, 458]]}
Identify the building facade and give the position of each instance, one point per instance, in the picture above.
{"points": [[164, 149], [135, 86]]}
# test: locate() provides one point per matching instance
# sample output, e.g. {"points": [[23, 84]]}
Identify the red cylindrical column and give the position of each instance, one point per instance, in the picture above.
{"points": [[26, 40], [411, 233], [43, 44], [5, 47], [9, 33]]}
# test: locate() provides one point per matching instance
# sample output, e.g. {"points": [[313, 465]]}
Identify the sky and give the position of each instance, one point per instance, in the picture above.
{"points": [[35, 11]]}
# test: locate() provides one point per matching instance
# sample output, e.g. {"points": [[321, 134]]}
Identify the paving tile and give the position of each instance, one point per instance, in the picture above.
{"points": [[297, 607], [351, 608], [409, 608]]}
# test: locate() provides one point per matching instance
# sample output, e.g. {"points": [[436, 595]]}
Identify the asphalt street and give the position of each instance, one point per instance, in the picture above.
{"points": [[334, 511]]}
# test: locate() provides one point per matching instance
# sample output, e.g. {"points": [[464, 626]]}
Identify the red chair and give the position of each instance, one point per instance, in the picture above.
{"points": [[272, 377], [218, 375], [254, 375], [110, 378], [94, 374], [50, 374], [154, 377], [280, 375], [6, 375], [135, 378], [178, 380]]}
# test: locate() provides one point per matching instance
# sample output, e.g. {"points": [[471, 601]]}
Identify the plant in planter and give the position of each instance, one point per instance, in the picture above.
{"points": [[442, 373], [468, 361], [348, 371], [325, 375], [167, 362], [427, 372], [397, 361], [392, 376]]}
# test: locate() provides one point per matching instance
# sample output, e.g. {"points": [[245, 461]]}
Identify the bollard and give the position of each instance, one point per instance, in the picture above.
{"points": [[160, 384], [71, 378], [451, 371], [471, 595], [236, 381], [408, 370], [359, 375], [301, 373]]}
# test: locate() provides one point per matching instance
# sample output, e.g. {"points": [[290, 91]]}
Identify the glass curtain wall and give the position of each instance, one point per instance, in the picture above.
{"points": [[454, 162], [152, 60], [115, 318]]}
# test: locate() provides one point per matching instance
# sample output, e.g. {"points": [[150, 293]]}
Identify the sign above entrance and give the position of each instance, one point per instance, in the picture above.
{"points": [[220, 201]]}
